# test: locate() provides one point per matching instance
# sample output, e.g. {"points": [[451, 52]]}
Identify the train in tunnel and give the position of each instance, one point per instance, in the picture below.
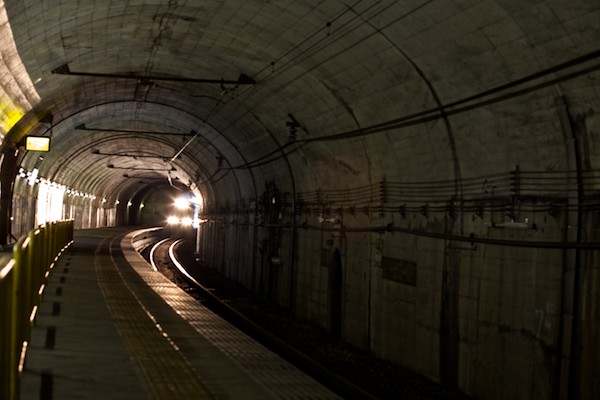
{"points": [[182, 214]]}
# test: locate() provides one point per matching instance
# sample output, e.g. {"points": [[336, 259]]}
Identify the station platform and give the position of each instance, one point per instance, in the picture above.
{"points": [[110, 327]]}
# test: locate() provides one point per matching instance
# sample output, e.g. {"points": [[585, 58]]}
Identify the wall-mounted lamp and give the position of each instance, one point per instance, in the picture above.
{"points": [[37, 143]]}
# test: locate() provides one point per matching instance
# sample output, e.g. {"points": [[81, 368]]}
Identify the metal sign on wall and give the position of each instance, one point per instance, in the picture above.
{"points": [[401, 271]]}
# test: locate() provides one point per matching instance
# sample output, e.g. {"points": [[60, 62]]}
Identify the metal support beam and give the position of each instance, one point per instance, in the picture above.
{"points": [[82, 127], [568, 373], [242, 80]]}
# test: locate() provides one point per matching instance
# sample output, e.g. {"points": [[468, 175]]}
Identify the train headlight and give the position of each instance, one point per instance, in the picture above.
{"points": [[172, 220], [187, 221]]}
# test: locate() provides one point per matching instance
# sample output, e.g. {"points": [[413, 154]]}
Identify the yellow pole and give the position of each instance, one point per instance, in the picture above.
{"points": [[20, 282]]}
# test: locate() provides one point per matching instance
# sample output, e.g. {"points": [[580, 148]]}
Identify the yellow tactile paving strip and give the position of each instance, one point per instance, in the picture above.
{"points": [[166, 371]]}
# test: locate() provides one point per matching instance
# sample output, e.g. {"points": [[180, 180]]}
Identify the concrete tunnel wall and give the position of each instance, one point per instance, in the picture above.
{"points": [[494, 318], [439, 206]]}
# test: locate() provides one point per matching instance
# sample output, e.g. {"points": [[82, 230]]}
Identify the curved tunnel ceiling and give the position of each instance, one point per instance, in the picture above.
{"points": [[373, 89]]}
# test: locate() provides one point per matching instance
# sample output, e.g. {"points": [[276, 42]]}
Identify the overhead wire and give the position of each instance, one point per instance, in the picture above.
{"points": [[337, 33], [334, 35], [433, 114], [416, 118], [306, 39], [357, 16]]}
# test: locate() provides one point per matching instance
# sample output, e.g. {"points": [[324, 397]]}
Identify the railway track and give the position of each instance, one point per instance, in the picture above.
{"points": [[171, 257]]}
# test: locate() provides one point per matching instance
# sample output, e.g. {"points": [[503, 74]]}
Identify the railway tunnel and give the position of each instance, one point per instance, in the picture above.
{"points": [[420, 178]]}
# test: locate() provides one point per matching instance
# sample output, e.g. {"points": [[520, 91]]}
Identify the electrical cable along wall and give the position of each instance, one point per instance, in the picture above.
{"points": [[514, 199]]}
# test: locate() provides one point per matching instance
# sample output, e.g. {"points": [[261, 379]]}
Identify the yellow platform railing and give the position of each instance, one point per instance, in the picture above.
{"points": [[22, 283]]}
